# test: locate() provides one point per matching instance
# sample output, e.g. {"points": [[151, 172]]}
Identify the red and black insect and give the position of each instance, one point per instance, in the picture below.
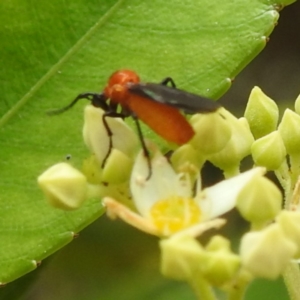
{"points": [[157, 105]]}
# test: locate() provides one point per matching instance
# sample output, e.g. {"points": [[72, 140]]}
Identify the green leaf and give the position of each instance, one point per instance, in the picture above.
{"points": [[52, 51]]}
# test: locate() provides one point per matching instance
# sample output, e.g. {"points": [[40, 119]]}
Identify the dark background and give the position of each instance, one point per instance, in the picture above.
{"points": [[276, 70]]}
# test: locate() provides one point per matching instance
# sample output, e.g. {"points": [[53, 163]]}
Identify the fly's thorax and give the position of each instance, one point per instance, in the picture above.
{"points": [[118, 94]]}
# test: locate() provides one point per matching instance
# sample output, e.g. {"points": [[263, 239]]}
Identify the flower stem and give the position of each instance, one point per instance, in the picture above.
{"points": [[231, 172], [237, 294], [202, 289], [291, 278], [283, 175], [238, 289], [295, 168]]}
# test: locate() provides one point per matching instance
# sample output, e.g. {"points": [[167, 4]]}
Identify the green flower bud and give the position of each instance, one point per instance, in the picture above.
{"points": [[297, 105], [212, 132], [237, 148], [218, 243], [181, 257], [186, 156], [289, 129], [266, 253], [261, 113], [290, 223], [117, 161], [259, 201], [64, 186], [108, 182], [219, 264], [269, 151]]}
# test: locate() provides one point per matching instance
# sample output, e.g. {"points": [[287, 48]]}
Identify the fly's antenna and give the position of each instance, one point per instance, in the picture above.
{"points": [[61, 110], [96, 99]]}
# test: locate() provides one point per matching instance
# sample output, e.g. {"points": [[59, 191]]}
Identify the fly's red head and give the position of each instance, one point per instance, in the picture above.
{"points": [[117, 87]]}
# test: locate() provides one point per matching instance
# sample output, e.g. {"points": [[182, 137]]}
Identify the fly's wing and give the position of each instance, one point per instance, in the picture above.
{"points": [[187, 102]]}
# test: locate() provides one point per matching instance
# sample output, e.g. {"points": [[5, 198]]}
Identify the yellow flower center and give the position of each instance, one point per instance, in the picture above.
{"points": [[175, 213]]}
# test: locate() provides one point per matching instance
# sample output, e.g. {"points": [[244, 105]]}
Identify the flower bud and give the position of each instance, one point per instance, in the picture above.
{"points": [[297, 105], [290, 223], [64, 186], [259, 201], [219, 263], [117, 168], [289, 129], [185, 156], [261, 113], [181, 257], [212, 132], [269, 151], [266, 253], [238, 146]]}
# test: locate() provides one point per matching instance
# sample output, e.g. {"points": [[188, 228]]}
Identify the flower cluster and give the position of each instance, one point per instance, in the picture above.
{"points": [[277, 146], [173, 205]]}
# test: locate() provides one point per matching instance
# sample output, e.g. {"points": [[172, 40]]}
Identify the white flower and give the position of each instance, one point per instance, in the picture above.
{"points": [[165, 202]]}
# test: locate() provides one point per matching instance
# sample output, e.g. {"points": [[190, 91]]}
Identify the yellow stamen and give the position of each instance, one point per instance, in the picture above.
{"points": [[175, 213]]}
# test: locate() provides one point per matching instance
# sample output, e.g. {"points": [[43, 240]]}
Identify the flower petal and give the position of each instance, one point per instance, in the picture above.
{"points": [[115, 209], [96, 137], [198, 229], [163, 182], [220, 198]]}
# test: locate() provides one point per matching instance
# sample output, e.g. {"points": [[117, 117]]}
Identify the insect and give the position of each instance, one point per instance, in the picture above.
{"points": [[157, 105]]}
